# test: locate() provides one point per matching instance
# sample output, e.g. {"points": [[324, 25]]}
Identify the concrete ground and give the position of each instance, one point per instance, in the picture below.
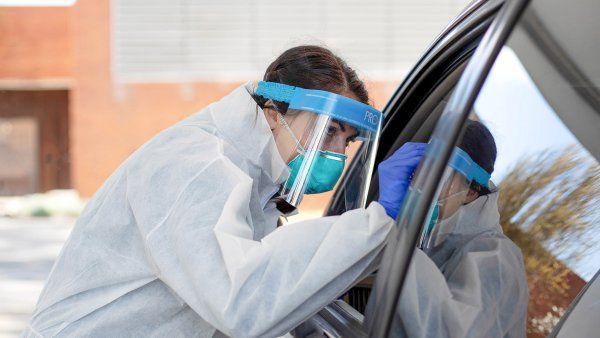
{"points": [[28, 248]]}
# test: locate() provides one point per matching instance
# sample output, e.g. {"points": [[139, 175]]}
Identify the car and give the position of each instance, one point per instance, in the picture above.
{"points": [[529, 71]]}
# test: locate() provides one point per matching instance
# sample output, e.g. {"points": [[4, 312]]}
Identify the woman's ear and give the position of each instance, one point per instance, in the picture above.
{"points": [[471, 196], [271, 115]]}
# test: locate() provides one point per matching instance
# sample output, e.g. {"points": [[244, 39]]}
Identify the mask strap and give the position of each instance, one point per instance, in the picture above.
{"points": [[284, 124]]}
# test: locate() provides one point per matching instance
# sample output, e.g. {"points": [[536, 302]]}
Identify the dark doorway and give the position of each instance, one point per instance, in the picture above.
{"points": [[34, 141]]}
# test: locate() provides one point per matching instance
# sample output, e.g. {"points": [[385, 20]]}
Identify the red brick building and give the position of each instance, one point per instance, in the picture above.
{"points": [[56, 72]]}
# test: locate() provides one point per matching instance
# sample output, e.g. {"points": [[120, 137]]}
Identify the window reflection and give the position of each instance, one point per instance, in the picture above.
{"points": [[510, 261], [550, 187]]}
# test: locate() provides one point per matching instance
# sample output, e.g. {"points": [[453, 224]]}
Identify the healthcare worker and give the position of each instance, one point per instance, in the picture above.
{"points": [[182, 239], [467, 279]]}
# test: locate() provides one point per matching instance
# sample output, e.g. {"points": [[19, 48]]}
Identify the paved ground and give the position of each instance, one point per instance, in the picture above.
{"points": [[28, 248]]}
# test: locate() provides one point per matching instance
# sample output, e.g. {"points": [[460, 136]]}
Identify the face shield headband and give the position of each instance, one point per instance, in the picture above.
{"points": [[464, 164], [362, 116]]}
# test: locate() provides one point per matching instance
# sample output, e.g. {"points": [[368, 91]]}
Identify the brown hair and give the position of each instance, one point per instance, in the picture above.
{"points": [[313, 67]]}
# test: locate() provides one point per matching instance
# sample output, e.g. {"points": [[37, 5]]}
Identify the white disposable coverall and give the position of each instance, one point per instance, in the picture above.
{"points": [[181, 240], [472, 285]]}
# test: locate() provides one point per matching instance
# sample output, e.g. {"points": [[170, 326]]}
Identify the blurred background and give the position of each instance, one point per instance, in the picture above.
{"points": [[84, 83]]}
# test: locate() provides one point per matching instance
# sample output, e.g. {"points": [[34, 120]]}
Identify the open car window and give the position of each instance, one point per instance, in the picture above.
{"points": [[508, 257]]}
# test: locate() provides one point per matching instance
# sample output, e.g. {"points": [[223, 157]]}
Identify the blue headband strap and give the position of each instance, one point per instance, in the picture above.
{"points": [[462, 162], [339, 107]]}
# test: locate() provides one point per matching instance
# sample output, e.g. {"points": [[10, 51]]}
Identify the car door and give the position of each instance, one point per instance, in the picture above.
{"points": [[581, 320], [534, 82], [411, 113]]}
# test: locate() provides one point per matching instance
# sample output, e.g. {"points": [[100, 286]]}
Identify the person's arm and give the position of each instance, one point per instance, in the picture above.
{"points": [[485, 295], [202, 248]]}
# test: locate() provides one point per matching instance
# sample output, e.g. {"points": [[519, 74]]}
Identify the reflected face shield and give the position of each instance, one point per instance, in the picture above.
{"points": [[448, 210], [323, 127]]}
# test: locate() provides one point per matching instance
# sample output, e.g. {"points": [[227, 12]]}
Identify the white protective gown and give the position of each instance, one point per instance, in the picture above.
{"points": [[473, 285], [181, 241]]}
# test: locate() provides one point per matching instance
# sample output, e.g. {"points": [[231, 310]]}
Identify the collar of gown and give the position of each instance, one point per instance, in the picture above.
{"points": [[242, 122], [480, 215]]}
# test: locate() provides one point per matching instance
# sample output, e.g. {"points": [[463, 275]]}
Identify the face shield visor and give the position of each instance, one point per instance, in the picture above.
{"points": [[319, 130], [449, 209]]}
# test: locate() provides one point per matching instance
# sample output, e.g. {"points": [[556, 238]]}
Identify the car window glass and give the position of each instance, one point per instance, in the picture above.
{"points": [[580, 319], [508, 255], [549, 188]]}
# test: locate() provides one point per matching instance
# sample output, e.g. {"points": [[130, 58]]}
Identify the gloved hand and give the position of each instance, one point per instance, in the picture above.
{"points": [[395, 173]]}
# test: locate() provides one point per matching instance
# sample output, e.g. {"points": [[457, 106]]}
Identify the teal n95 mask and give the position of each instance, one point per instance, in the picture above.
{"points": [[326, 168]]}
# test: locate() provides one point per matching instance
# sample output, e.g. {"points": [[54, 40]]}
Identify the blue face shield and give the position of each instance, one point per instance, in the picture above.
{"points": [[325, 126], [462, 163], [325, 171]]}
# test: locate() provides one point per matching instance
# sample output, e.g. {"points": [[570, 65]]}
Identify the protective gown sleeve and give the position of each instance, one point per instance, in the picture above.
{"points": [[484, 295], [199, 239]]}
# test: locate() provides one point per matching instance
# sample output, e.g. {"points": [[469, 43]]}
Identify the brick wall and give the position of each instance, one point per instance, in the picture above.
{"points": [[35, 43], [107, 120]]}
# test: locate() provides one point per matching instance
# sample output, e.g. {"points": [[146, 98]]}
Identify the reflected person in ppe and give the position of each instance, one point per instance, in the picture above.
{"points": [[182, 239], [467, 279]]}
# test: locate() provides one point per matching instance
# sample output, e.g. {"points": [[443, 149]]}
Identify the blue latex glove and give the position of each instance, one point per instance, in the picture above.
{"points": [[395, 173]]}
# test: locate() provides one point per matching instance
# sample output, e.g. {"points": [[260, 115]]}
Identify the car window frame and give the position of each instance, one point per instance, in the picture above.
{"points": [[399, 252], [450, 50]]}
